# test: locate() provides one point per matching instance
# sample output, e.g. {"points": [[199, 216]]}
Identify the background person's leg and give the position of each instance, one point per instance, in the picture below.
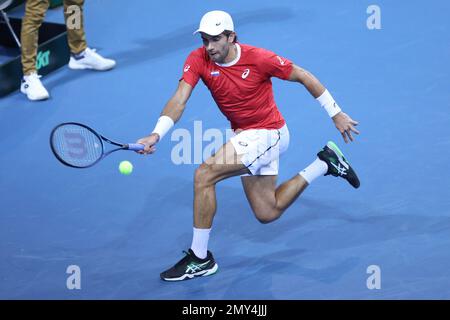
{"points": [[75, 34], [266, 200], [82, 56], [34, 15]]}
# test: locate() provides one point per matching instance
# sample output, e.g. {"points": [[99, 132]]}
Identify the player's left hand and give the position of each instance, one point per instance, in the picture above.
{"points": [[345, 125]]}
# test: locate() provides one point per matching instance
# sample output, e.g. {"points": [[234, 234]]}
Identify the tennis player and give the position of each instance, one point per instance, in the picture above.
{"points": [[238, 76]]}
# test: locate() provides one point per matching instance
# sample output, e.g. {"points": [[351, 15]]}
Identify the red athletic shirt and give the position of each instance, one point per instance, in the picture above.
{"points": [[242, 89]]}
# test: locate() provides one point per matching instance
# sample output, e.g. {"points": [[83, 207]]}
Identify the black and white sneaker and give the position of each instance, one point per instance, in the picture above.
{"points": [[338, 166], [191, 266]]}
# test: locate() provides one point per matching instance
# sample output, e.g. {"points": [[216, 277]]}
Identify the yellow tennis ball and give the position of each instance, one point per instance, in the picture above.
{"points": [[125, 167]]}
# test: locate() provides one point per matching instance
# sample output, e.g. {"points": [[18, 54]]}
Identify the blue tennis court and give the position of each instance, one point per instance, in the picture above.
{"points": [[122, 231]]}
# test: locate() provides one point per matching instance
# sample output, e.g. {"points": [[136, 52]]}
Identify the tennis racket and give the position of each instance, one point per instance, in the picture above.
{"points": [[78, 146]]}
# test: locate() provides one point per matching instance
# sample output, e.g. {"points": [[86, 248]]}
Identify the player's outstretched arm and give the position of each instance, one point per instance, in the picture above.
{"points": [[169, 116], [342, 121]]}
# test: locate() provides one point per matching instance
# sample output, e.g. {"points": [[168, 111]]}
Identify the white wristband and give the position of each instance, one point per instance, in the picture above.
{"points": [[163, 126], [327, 101]]}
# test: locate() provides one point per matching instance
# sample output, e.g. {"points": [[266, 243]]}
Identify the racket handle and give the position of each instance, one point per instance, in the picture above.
{"points": [[135, 146]]}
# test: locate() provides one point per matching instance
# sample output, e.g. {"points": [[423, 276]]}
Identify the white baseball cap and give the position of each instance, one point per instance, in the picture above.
{"points": [[215, 22]]}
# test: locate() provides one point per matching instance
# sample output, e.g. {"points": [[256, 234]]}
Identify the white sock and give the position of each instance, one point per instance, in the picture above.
{"points": [[200, 242], [314, 170]]}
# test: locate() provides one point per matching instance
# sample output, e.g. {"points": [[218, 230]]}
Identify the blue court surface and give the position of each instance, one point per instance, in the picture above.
{"points": [[122, 231]]}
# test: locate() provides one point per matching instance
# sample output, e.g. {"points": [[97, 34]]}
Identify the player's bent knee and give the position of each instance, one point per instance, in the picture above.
{"points": [[266, 217], [203, 175], [266, 220]]}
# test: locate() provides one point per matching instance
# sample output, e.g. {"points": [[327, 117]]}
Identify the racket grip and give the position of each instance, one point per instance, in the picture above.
{"points": [[135, 146]]}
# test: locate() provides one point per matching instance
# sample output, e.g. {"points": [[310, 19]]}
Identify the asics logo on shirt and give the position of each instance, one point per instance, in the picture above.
{"points": [[246, 73], [186, 69], [282, 62]]}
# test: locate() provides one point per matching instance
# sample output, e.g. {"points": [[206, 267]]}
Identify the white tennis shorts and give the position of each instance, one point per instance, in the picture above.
{"points": [[261, 149]]}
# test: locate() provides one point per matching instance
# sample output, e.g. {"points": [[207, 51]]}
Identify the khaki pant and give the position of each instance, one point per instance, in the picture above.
{"points": [[34, 16]]}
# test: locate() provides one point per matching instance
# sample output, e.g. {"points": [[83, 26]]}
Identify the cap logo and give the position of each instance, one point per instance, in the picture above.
{"points": [[218, 24]]}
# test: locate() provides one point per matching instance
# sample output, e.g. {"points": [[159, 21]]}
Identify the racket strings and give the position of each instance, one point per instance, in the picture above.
{"points": [[77, 145]]}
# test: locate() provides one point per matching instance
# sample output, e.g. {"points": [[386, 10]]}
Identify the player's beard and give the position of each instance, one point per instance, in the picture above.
{"points": [[221, 55]]}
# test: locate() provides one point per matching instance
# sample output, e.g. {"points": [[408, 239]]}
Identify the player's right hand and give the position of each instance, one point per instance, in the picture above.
{"points": [[149, 142]]}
